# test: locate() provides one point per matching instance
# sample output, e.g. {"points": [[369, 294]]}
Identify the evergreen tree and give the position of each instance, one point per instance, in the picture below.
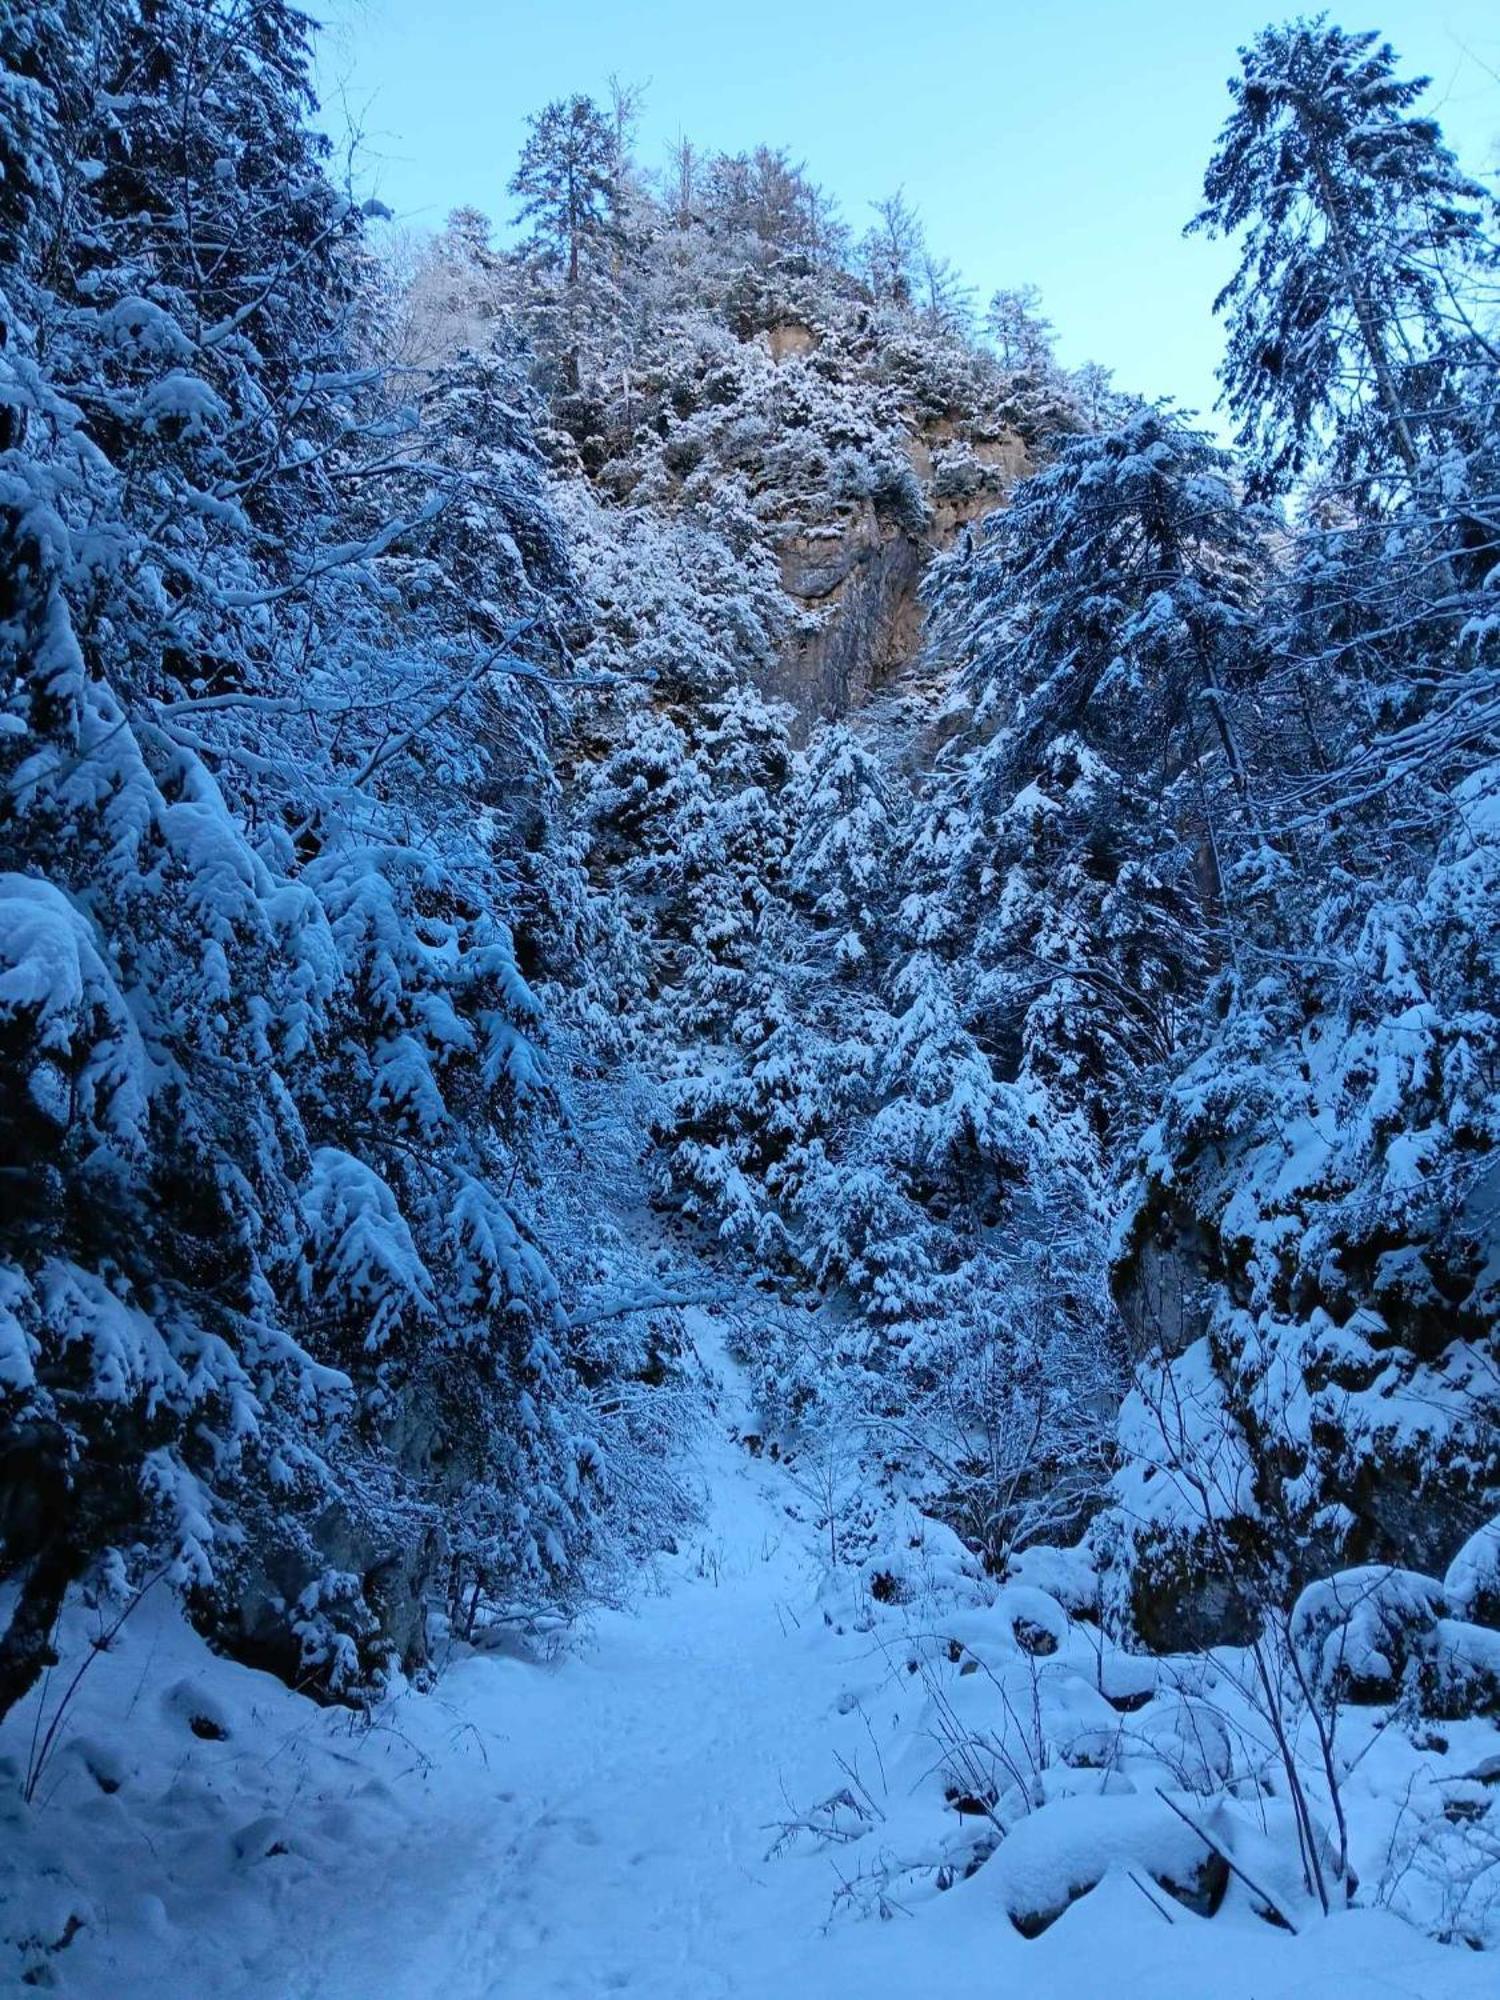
{"points": [[766, 201], [275, 795], [1117, 595], [1346, 308], [891, 250], [1021, 336], [839, 868], [1100, 405], [946, 302], [566, 178], [1071, 868]]}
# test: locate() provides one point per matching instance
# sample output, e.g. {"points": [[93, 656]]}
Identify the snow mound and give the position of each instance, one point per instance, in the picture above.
{"points": [[1357, 1630], [1472, 1584], [1065, 1574], [1067, 1847]]}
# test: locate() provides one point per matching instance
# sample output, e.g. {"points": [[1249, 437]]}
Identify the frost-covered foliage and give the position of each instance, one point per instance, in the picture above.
{"points": [[1309, 1232], [1161, 952], [975, 984], [493, 866], [1347, 328], [851, 1140], [844, 829], [1071, 862], [746, 422], [444, 807], [1323, 1174], [276, 815], [761, 440], [710, 352]]}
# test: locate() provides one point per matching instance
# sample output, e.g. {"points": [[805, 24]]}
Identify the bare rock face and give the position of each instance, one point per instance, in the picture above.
{"points": [[966, 476], [790, 337], [1163, 1288], [293, 1564], [858, 573], [288, 1567], [864, 584], [1185, 1592], [1344, 1474]]}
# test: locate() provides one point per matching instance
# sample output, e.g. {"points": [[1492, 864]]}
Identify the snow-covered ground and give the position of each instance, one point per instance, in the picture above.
{"points": [[600, 1823]]}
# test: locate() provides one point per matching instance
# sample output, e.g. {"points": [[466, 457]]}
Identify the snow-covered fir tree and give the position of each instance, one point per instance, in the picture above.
{"points": [[279, 862]]}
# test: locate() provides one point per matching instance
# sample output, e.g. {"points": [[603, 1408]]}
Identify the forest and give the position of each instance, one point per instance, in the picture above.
{"points": [[700, 963]]}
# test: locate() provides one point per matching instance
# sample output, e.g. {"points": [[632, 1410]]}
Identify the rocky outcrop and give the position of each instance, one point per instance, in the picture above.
{"points": [[1308, 1266], [1163, 1286], [1313, 1432], [859, 575], [367, 1583], [790, 337], [862, 583]]}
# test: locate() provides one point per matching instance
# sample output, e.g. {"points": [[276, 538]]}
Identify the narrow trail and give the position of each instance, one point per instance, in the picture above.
{"points": [[612, 1832], [605, 1823], [603, 1826], [661, 1770]]}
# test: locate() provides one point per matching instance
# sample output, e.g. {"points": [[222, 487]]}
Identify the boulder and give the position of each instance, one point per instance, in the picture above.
{"points": [[1472, 1582], [1065, 1849], [1357, 1632]]}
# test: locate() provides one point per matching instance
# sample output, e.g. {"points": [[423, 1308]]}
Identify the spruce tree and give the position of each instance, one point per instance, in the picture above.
{"points": [[1344, 315], [566, 178]]}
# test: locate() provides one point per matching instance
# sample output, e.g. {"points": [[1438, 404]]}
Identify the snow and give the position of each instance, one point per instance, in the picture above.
{"points": [[1066, 1575], [359, 1244], [337, 902], [1068, 1846], [600, 1818], [1474, 1573], [1356, 1627]]}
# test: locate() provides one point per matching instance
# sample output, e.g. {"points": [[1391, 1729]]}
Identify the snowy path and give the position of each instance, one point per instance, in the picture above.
{"points": [[651, 1771], [638, 1790], [591, 1828]]}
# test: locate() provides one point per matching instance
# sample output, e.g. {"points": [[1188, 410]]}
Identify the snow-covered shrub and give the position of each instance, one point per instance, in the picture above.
{"points": [[1357, 1631]]}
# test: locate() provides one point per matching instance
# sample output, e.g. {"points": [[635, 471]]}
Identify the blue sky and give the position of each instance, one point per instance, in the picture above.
{"points": [[1060, 145]]}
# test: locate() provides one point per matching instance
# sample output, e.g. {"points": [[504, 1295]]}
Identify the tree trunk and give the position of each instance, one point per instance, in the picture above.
{"points": [[26, 1648], [1385, 378]]}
